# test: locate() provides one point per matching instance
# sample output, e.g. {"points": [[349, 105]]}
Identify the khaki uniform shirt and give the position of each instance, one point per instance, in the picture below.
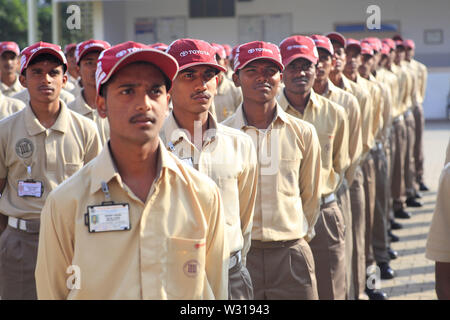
{"points": [[227, 99], [365, 103], [438, 242], [351, 106], [10, 91], [403, 85], [77, 87], [24, 96], [54, 155], [413, 84], [385, 113], [330, 121], [8, 106], [287, 200], [79, 105], [228, 157], [422, 73], [176, 247]]}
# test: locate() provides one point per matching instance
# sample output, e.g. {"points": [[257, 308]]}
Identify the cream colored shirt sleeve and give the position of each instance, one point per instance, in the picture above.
{"points": [[438, 242], [247, 185], [341, 160]]}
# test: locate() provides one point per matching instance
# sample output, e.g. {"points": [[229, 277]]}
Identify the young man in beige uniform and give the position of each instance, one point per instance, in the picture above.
{"points": [[326, 88], [379, 241], [224, 154], [8, 106], [437, 247], [86, 54], [73, 84], [154, 226], [9, 61], [40, 146], [330, 120], [280, 260], [228, 96], [421, 77]]}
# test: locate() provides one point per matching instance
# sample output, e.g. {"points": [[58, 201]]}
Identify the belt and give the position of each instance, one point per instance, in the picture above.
{"points": [[274, 244], [398, 118], [327, 199], [31, 226], [235, 258]]}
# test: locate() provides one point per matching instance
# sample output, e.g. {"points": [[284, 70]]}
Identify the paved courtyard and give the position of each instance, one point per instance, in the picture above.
{"points": [[415, 273]]}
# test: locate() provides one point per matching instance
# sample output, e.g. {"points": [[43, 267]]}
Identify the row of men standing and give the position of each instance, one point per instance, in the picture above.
{"points": [[345, 161]]}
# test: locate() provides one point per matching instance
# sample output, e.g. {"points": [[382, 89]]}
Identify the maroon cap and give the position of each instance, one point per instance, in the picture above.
{"points": [[69, 47], [397, 37], [385, 49], [87, 46], [399, 43], [193, 52], [295, 47], [408, 43], [159, 46], [366, 48], [323, 43], [390, 43], [257, 50], [227, 49], [9, 46], [233, 52], [220, 50], [338, 37], [375, 43], [39, 48], [119, 56], [353, 42]]}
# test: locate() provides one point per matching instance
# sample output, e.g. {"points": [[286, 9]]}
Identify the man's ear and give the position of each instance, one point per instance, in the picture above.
{"points": [[101, 106], [65, 78], [23, 80], [236, 80]]}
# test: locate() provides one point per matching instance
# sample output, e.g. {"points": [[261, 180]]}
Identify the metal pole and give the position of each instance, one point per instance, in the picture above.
{"points": [[32, 22], [55, 22]]}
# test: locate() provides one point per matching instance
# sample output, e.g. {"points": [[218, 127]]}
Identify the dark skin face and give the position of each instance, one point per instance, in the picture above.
{"points": [[88, 67], [44, 81], [409, 54], [135, 103], [366, 66], [325, 65], [353, 60], [399, 54], [259, 81], [299, 76], [194, 89], [8, 62], [339, 56]]}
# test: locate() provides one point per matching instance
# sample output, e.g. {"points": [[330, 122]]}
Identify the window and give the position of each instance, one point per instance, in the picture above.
{"points": [[211, 8]]}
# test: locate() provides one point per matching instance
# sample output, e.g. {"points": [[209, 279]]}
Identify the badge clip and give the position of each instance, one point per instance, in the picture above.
{"points": [[105, 190]]}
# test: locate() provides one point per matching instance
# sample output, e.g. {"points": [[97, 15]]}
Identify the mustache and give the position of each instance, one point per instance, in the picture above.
{"points": [[142, 118], [201, 95]]}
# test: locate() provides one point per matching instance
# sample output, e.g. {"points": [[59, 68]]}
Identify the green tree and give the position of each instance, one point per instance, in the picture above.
{"points": [[14, 21]]}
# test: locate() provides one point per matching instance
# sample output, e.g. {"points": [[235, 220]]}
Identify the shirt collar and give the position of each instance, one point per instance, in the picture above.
{"points": [[105, 170], [284, 102], [81, 106], [34, 127], [240, 120]]}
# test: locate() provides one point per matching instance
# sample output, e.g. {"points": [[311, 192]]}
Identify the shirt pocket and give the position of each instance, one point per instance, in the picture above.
{"points": [[288, 177], [186, 268], [71, 168], [230, 197]]}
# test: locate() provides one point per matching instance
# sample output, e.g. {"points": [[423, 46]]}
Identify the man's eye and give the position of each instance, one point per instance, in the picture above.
{"points": [[156, 91], [189, 75], [126, 91]]}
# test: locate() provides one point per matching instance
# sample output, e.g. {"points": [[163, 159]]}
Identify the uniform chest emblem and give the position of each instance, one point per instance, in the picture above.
{"points": [[191, 268], [24, 148]]}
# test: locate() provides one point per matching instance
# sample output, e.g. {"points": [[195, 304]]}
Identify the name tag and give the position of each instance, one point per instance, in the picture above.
{"points": [[108, 217], [187, 161], [30, 188]]}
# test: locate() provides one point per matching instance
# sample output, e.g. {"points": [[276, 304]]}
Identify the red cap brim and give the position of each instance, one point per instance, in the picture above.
{"points": [[280, 65], [300, 55], [193, 64]]}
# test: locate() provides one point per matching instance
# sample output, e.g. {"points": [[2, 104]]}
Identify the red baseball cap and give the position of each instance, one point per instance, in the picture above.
{"points": [[397, 37], [9, 46], [113, 59], [69, 47], [390, 43], [353, 42], [338, 37], [375, 43], [257, 50], [399, 43], [39, 48], [91, 45], [193, 52], [295, 47], [323, 43], [227, 49], [385, 49], [159, 46], [220, 50], [408, 43], [366, 48], [233, 52]]}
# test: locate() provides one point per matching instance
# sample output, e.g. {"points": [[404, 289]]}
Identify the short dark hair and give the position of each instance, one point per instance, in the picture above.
{"points": [[104, 87], [45, 57]]}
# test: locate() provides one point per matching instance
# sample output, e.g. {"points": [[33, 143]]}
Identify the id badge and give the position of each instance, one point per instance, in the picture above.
{"points": [[188, 161], [108, 217], [30, 188]]}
